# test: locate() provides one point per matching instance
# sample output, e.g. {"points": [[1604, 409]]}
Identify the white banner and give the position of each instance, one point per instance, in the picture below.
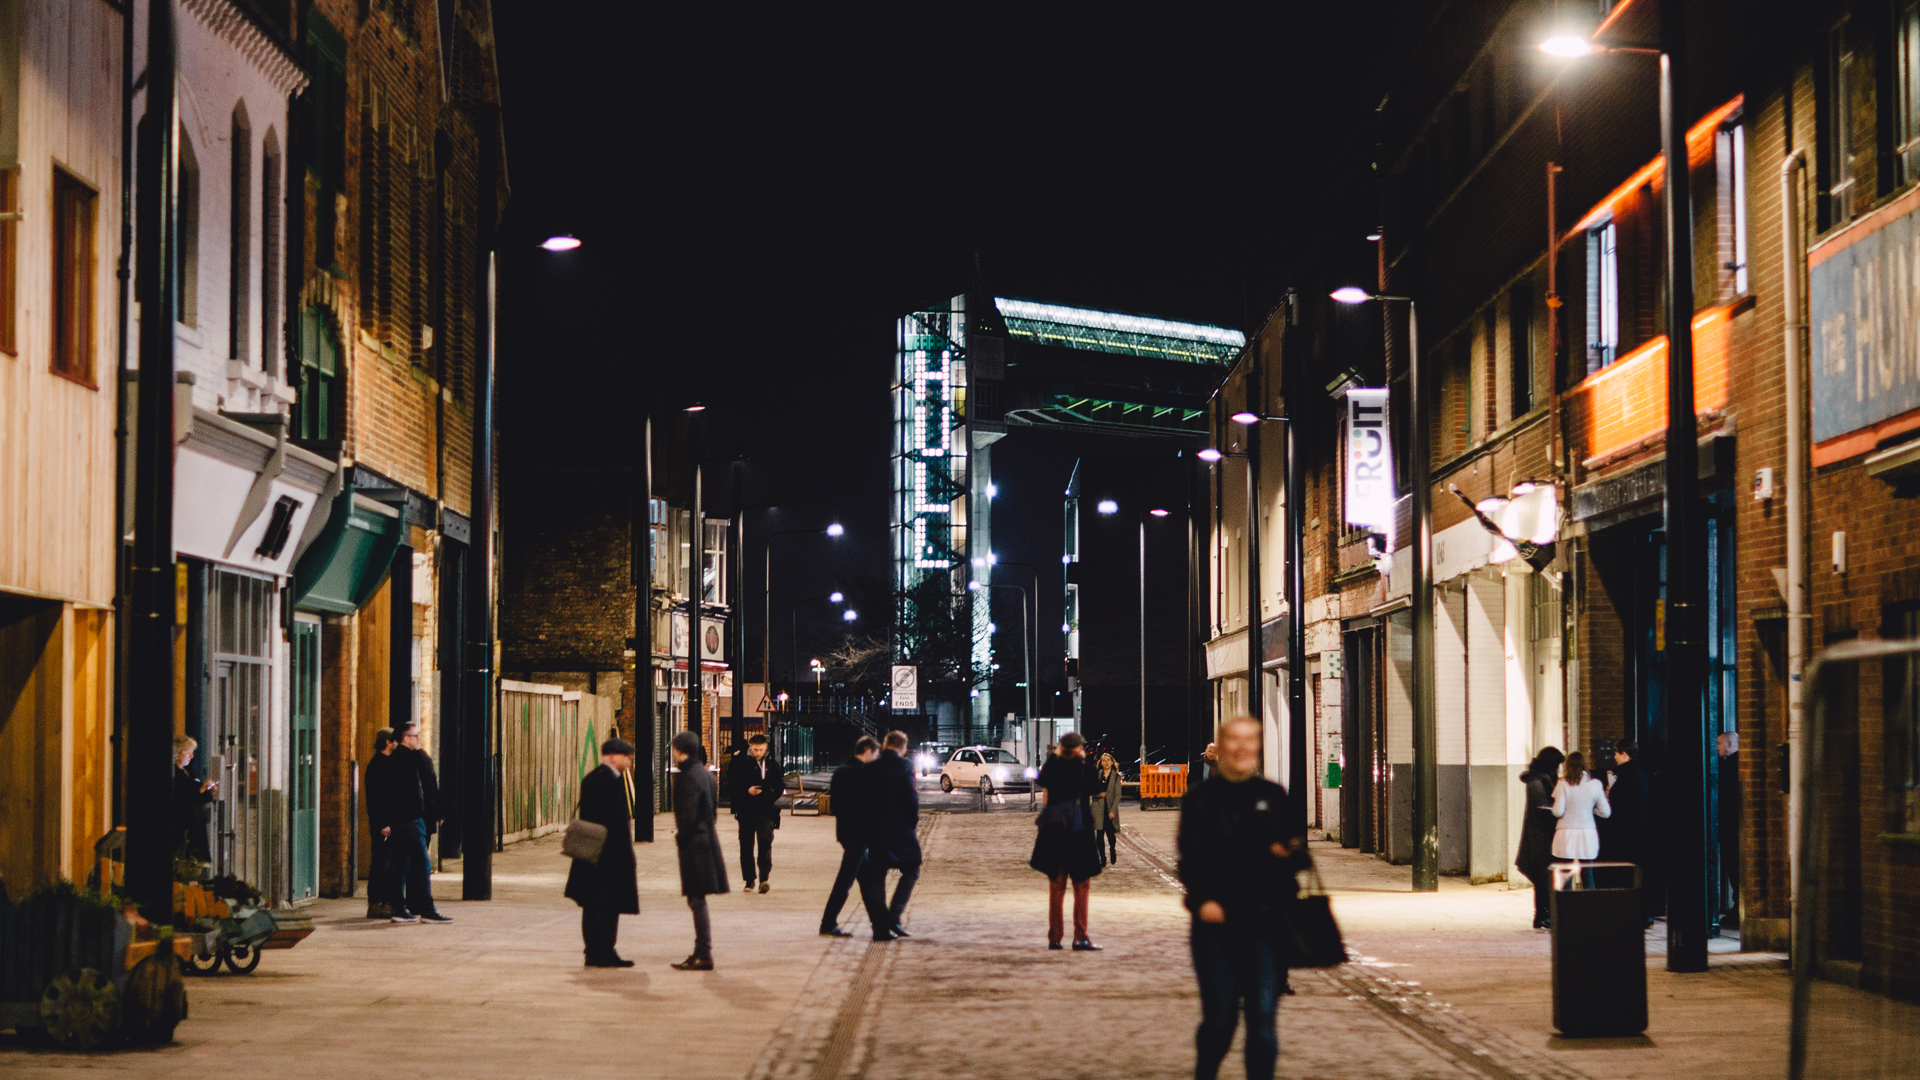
{"points": [[1369, 461], [906, 688]]}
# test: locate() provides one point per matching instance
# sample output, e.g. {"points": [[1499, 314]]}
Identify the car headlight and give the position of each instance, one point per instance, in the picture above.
{"points": [[999, 774], [1032, 774]]}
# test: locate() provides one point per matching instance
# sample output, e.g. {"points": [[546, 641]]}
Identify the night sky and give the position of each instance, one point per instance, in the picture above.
{"points": [[761, 194]]}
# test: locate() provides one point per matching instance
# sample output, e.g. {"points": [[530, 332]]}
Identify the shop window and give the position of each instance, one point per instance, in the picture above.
{"points": [[74, 219]]}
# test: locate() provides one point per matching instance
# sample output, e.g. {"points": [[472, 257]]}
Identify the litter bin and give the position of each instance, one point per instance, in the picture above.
{"points": [[1599, 950]]}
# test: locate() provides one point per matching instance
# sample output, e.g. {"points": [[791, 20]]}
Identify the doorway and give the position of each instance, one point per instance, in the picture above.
{"points": [[305, 783]]}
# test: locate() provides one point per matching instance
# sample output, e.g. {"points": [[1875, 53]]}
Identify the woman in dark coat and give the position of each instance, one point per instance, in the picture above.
{"points": [[1106, 811], [703, 870], [1536, 830], [607, 889], [191, 797], [1067, 847]]}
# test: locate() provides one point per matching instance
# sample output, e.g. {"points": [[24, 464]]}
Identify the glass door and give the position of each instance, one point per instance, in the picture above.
{"points": [[305, 782]]}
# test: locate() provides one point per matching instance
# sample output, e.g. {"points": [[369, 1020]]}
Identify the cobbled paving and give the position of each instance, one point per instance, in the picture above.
{"points": [[976, 993]]}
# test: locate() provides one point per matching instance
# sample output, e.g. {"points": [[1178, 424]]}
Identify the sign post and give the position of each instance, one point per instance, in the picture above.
{"points": [[906, 688]]}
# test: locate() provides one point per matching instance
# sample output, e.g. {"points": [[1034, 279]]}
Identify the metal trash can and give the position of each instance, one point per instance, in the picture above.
{"points": [[1599, 949]]}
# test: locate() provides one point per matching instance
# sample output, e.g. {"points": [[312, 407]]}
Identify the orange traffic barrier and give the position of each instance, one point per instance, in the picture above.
{"points": [[1163, 782]]}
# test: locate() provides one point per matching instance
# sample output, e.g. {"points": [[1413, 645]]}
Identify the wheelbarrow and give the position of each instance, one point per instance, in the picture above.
{"points": [[235, 941]]}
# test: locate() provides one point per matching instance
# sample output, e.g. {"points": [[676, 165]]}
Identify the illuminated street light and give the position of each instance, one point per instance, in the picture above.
{"points": [[1157, 512], [1567, 45], [837, 597], [1351, 294], [560, 243], [1208, 453], [695, 407], [836, 529], [1108, 506], [1245, 417], [849, 615]]}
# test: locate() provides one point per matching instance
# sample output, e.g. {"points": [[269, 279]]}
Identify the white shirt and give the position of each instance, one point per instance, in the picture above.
{"points": [[1576, 805]]}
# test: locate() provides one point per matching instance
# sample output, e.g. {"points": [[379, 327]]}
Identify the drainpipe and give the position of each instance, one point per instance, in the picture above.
{"points": [[1792, 266]]}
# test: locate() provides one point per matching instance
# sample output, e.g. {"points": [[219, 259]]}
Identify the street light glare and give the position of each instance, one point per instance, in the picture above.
{"points": [[850, 615], [1157, 512], [1108, 506], [835, 529], [1351, 294], [695, 407], [836, 597], [560, 243], [1208, 453], [1245, 417], [1568, 46]]}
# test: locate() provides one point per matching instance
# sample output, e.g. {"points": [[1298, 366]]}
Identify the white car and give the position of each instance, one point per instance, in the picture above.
{"points": [[985, 768]]}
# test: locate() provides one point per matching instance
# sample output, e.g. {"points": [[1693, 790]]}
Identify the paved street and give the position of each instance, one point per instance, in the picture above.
{"points": [[1452, 985]]}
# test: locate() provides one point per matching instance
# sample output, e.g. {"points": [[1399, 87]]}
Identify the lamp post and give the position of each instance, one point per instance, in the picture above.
{"points": [[1026, 655], [1108, 506], [1294, 593], [1688, 912], [1426, 803], [793, 642], [766, 592]]}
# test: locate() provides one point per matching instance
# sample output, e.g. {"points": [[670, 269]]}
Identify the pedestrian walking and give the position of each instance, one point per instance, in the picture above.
{"points": [[846, 794], [191, 797], [1209, 762], [414, 815], [376, 791], [1106, 811], [893, 812], [1578, 798], [608, 887], [703, 869], [754, 784], [1537, 829], [1241, 841], [1066, 847], [1629, 794]]}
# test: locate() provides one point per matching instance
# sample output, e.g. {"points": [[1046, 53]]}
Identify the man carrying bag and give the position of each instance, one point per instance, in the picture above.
{"points": [[1242, 841], [603, 880]]}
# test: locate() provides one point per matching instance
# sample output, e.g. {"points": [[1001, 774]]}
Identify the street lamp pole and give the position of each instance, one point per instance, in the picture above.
{"points": [[1026, 655], [1426, 802], [793, 640]]}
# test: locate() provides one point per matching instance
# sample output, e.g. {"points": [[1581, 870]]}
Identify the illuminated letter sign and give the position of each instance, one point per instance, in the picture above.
{"points": [[1369, 461]]}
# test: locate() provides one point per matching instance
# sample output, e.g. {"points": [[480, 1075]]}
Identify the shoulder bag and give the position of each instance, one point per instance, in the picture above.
{"points": [[584, 840], [1309, 935]]}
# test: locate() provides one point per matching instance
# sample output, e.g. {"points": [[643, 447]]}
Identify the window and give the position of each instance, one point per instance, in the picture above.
{"points": [[1520, 364], [1730, 154], [661, 555], [240, 239], [317, 410], [73, 260], [713, 568], [324, 108], [9, 244], [270, 254], [1903, 729], [1906, 91], [1848, 142], [1603, 296], [187, 250]]}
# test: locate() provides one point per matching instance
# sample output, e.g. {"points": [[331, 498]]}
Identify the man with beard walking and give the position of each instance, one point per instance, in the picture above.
{"points": [[894, 843], [754, 784]]}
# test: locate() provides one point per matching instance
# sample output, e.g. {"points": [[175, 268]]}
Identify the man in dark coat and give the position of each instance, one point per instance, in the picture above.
{"points": [[1242, 840], [893, 808], [754, 783], [415, 813], [377, 792], [851, 823], [607, 889], [1535, 856], [1625, 835], [703, 870]]}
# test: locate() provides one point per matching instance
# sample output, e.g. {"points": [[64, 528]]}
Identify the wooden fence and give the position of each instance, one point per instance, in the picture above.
{"points": [[545, 749]]}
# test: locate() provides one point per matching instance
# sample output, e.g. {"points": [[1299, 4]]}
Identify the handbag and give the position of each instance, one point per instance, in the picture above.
{"points": [[584, 840], [1309, 936]]}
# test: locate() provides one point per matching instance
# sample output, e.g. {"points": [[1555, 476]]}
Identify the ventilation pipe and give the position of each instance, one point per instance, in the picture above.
{"points": [[1792, 266]]}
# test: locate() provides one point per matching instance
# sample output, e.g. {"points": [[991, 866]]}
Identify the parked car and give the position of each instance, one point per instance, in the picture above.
{"points": [[985, 768], [928, 759]]}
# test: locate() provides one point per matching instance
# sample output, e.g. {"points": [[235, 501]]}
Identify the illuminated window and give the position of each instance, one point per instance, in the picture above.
{"points": [[1603, 295], [73, 264], [1730, 153], [713, 567]]}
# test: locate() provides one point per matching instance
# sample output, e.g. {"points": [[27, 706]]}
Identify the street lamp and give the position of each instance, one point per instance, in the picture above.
{"points": [[766, 592], [1110, 507], [1026, 655], [1426, 803], [562, 242], [793, 640], [1688, 916], [1295, 594]]}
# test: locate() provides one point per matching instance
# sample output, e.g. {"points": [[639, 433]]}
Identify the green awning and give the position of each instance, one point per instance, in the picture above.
{"points": [[350, 558]]}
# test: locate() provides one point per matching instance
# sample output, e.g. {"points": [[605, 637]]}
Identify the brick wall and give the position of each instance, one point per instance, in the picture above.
{"points": [[566, 599]]}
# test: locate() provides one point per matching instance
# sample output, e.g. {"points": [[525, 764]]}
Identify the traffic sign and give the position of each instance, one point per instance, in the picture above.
{"points": [[906, 688]]}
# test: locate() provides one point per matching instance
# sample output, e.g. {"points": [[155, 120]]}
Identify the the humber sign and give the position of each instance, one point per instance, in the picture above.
{"points": [[1863, 292]]}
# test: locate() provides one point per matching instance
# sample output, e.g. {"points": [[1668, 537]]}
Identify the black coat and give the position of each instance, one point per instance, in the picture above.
{"points": [[744, 772], [1227, 833], [893, 808], [1066, 842], [703, 870], [377, 792], [415, 793], [190, 814], [1536, 827], [847, 795], [611, 882], [1623, 835]]}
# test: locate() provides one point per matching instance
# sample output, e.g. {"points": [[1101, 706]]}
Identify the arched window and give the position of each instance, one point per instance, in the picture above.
{"points": [[318, 411], [271, 200], [188, 250], [240, 240]]}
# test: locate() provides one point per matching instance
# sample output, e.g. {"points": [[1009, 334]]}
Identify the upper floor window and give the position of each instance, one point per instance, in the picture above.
{"points": [[1906, 90], [1520, 335], [240, 238], [74, 209], [1848, 143], [188, 247], [1730, 154], [317, 411], [1603, 295], [270, 253]]}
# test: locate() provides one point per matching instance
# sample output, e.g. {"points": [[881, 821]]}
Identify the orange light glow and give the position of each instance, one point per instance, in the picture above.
{"points": [[1626, 402], [1612, 17], [1699, 150]]}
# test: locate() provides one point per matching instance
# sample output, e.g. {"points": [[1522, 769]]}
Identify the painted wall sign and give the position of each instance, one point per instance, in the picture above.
{"points": [[1864, 301], [1369, 461]]}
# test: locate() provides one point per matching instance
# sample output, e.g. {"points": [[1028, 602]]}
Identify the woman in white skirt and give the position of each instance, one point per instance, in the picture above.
{"points": [[1577, 799]]}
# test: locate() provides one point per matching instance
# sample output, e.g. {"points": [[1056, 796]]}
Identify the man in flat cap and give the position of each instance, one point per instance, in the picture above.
{"points": [[608, 888]]}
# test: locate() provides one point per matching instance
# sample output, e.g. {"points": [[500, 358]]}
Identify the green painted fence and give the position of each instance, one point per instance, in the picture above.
{"points": [[545, 748]]}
